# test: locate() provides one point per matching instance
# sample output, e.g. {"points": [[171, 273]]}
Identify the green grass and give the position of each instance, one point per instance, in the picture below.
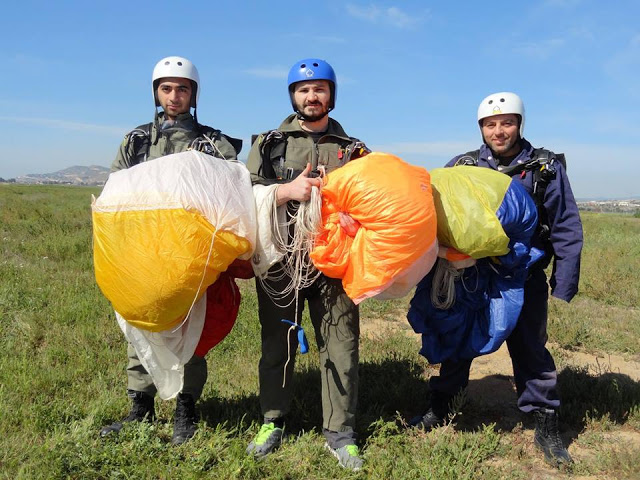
{"points": [[63, 359]]}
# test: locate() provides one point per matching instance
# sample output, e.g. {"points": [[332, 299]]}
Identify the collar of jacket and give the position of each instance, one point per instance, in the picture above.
{"points": [[291, 124], [487, 156], [185, 119]]}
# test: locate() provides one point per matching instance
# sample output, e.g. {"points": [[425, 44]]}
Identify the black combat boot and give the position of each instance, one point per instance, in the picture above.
{"points": [[142, 410], [547, 437], [184, 424], [428, 421], [437, 414]]}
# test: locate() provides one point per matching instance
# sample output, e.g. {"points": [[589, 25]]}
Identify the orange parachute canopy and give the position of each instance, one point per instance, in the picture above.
{"points": [[395, 245]]}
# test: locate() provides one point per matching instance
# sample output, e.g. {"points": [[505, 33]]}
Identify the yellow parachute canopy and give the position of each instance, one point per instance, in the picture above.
{"points": [[466, 200], [165, 229]]}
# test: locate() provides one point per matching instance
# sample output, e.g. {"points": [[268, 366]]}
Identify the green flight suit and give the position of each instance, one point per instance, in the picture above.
{"points": [[334, 316], [174, 139]]}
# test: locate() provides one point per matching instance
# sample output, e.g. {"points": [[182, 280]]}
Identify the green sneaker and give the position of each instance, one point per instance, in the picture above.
{"points": [[348, 456], [266, 441]]}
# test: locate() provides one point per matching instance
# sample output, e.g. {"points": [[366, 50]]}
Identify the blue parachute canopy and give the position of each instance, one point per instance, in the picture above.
{"points": [[488, 295]]}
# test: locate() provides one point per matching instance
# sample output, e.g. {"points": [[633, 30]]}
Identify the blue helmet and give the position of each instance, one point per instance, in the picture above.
{"points": [[312, 69]]}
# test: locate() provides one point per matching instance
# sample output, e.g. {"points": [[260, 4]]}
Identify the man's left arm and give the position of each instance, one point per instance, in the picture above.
{"points": [[565, 236]]}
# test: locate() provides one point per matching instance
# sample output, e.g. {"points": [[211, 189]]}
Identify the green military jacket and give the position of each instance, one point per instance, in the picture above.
{"points": [[173, 140], [290, 157]]}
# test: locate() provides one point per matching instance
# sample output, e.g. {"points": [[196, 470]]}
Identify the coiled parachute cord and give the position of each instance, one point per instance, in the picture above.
{"points": [[302, 225], [443, 289]]}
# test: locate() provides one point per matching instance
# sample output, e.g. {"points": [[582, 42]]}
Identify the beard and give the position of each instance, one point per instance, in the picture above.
{"points": [[313, 117]]}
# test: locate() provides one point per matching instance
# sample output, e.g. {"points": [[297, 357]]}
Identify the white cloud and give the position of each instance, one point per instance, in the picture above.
{"points": [[540, 50], [398, 18], [268, 72], [393, 16], [370, 13], [67, 125]]}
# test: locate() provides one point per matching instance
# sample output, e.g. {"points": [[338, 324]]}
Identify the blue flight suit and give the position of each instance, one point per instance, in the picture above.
{"points": [[533, 367]]}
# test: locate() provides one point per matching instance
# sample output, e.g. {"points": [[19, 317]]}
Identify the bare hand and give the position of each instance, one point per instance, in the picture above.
{"points": [[349, 224], [299, 189]]}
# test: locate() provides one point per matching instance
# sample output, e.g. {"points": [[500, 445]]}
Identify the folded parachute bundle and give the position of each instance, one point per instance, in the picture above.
{"points": [[488, 216], [395, 245], [163, 231]]}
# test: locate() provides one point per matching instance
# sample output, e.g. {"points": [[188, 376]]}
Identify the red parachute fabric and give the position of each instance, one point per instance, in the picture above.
{"points": [[223, 302], [393, 202]]}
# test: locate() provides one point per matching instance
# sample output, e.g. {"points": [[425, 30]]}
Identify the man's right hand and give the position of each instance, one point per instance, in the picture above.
{"points": [[299, 189]]}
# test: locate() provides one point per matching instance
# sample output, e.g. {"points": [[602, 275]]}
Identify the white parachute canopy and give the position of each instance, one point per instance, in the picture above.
{"points": [[163, 231]]}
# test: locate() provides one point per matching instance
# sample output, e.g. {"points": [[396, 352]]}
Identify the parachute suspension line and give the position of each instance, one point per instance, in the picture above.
{"points": [[477, 279], [204, 272], [443, 291], [213, 145], [289, 330], [302, 226]]}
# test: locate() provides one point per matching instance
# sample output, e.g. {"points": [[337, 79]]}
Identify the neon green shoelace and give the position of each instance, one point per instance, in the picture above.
{"points": [[264, 433], [353, 451]]}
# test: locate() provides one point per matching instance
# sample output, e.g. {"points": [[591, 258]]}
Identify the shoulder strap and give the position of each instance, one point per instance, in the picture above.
{"points": [[356, 149], [206, 141], [139, 142], [547, 156], [544, 171], [266, 143], [469, 158]]}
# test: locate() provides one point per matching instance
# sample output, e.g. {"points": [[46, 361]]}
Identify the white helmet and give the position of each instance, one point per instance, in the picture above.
{"points": [[500, 103], [176, 67]]}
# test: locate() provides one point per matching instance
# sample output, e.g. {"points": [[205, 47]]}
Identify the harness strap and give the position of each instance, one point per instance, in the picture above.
{"points": [[268, 141], [140, 139]]}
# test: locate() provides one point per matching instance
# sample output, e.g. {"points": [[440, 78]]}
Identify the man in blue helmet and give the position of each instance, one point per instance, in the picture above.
{"points": [[501, 120], [306, 142]]}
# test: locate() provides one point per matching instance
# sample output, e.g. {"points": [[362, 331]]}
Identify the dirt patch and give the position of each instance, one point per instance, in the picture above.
{"points": [[498, 364], [491, 383], [600, 363]]}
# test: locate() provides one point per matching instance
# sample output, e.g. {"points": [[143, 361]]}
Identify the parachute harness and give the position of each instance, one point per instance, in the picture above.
{"points": [[213, 145], [302, 226]]}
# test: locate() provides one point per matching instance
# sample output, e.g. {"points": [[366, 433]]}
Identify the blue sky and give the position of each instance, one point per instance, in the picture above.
{"points": [[410, 75]]}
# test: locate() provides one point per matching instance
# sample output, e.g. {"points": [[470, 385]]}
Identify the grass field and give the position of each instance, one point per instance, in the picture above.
{"points": [[63, 359]]}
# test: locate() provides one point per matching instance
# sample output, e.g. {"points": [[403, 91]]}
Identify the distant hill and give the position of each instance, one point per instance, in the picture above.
{"points": [[77, 175]]}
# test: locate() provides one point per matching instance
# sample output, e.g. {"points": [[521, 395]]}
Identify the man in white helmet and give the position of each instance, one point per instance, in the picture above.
{"points": [[175, 88], [501, 119]]}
